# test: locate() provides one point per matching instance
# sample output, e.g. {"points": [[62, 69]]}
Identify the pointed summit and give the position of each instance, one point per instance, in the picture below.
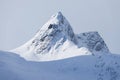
{"points": [[57, 15], [58, 18], [57, 25]]}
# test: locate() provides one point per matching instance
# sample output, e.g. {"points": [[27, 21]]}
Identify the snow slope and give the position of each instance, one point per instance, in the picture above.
{"points": [[86, 67], [57, 40]]}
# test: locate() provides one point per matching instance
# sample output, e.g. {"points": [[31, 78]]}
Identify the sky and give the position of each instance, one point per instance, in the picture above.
{"points": [[20, 19]]}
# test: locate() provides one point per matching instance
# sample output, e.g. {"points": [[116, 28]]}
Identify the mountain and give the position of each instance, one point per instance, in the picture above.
{"points": [[57, 40], [57, 53]]}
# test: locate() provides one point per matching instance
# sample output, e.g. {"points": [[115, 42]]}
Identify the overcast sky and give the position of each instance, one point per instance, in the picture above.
{"points": [[20, 19]]}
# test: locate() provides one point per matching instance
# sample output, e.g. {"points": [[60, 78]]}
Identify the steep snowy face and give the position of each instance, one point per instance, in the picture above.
{"points": [[56, 31], [52, 35], [56, 26], [93, 41]]}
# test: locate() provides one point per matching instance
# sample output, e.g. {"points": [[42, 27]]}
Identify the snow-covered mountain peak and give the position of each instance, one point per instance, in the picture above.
{"points": [[56, 40], [57, 26], [58, 16]]}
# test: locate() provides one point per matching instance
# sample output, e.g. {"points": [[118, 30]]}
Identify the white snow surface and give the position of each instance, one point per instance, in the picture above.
{"points": [[56, 40], [85, 67], [65, 51]]}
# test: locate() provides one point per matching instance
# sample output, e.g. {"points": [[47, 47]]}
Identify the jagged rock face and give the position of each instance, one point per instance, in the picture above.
{"points": [[56, 30], [93, 41]]}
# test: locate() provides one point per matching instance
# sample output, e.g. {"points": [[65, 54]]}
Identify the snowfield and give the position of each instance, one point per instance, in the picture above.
{"points": [[86, 67]]}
